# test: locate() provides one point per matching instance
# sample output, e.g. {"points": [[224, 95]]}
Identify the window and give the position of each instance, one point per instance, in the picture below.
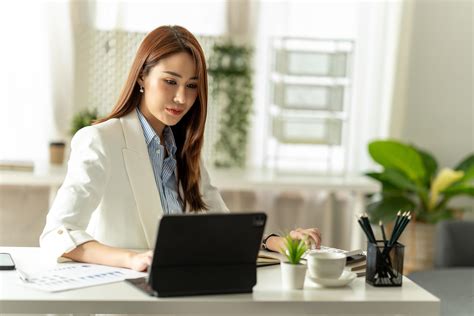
{"points": [[324, 78]]}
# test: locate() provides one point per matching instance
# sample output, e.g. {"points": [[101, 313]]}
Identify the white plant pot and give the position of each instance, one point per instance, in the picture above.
{"points": [[292, 275]]}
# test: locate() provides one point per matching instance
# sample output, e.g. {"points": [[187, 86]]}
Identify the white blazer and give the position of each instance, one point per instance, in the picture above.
{"points": [[109, 193]]}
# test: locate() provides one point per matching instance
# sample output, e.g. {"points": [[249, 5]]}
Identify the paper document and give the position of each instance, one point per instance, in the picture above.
{"points": [[265, 254], [69, 276]]}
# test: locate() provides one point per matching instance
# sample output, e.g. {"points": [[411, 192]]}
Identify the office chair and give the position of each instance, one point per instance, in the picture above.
{"points": [[454, 244]]}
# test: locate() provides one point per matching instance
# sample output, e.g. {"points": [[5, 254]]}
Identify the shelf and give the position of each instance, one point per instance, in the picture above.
{"points": [[276, 110], [312, 63], [304, 130], [306, 44], [310, 80], [310, 97]]}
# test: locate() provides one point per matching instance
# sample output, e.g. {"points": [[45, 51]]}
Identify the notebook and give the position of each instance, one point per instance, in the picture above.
{"points": [[356, 259]]}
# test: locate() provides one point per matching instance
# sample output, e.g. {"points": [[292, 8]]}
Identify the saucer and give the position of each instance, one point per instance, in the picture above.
{"points": [[345, 278]]}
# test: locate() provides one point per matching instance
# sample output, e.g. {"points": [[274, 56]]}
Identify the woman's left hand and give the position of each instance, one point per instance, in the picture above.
{"points": [[312, 236]]}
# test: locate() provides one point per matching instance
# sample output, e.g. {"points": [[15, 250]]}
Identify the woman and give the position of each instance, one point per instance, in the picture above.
{"points": [[140, 162]]}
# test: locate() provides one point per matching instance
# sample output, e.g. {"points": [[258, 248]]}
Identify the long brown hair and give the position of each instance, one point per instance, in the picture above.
{"points": [[189, 132]]}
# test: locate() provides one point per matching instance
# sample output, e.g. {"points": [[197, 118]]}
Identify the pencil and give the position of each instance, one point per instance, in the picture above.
{"points": [[364, 228], [396, 235], [383, 233], [365, 218], [397, 219], [402, 228], [397, 227]]}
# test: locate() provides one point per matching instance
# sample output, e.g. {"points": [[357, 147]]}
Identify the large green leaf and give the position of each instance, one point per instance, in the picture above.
{"points": [[395, 179], [467, 165], [399, 179], [395, 155], [375, 175], [459, 189], [431, 166], [386, 186], [386, 209]]}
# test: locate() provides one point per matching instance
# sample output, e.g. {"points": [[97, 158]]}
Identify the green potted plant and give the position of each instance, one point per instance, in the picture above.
{"points": [[412, 182], [293, 271], [231, 89], [82, 119]]}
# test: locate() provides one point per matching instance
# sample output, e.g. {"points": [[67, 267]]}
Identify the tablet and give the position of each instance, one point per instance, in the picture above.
{"points": [[205, 254]]}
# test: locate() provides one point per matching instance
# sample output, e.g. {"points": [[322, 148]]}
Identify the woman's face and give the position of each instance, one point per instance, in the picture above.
{"points": [[170, 89]]}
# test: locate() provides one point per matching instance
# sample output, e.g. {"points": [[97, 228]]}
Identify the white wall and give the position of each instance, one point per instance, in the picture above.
{"points": [[433, 102], [438, 111]]}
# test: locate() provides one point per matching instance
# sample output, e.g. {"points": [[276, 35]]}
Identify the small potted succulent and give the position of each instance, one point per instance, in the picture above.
{"points": [[292, 270]]}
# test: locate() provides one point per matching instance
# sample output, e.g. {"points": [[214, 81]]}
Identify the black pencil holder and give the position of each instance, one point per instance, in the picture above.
{"points": [[384, 264]]}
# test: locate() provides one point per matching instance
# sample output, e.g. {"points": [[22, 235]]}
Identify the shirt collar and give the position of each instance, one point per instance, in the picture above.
{"points": [[150, 133]]}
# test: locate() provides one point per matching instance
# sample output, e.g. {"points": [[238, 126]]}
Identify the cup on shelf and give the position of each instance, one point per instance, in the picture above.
{"points": [[56, 153], [326, 265]]}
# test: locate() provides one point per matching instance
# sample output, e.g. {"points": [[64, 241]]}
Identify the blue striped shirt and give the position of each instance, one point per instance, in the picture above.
{"points": [[164, 169]]}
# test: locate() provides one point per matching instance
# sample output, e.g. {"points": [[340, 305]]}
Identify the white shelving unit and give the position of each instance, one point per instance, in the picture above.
{"points": [[309, 104]]}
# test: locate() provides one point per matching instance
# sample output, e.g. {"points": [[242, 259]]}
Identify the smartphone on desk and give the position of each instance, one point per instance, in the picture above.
{"points": [[6, 262]]}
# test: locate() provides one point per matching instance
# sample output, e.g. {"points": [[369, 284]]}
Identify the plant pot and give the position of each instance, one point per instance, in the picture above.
{"points": [[292, 275], [418, 239]]}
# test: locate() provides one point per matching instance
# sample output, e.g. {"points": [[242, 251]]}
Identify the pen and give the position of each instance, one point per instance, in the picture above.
{"points": [[23, 276]]}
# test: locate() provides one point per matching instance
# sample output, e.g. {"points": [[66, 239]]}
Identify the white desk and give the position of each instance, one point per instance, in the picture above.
{"points": [[267, 297]]}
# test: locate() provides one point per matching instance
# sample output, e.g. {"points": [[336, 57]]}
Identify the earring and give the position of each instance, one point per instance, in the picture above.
{"points": [[141, 89]]}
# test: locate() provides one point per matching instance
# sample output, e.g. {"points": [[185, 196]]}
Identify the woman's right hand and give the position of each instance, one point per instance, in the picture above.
{"points": [[94, 252], [141, 261]]}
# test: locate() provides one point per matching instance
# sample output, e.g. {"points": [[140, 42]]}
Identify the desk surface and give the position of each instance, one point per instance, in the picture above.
{"points": [[267, 298]]}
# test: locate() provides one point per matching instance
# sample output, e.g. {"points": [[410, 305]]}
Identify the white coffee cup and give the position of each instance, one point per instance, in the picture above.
{"points": [[326, 265]]}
